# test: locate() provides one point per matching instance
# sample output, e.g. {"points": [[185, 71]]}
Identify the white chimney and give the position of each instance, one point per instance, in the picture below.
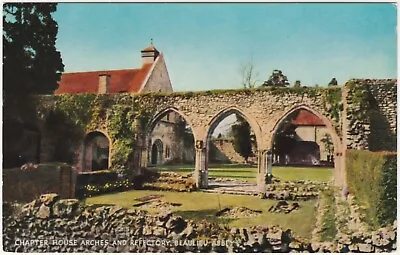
{"points": [[104, 83]]}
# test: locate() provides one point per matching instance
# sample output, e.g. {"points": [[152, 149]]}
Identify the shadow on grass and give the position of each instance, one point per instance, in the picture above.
{"points": [[208, 215]]}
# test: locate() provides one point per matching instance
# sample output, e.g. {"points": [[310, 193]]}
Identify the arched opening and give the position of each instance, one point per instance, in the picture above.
{"points": [[157, 152], [96, 152], [303, 146], [232, 150], [170, 143]]}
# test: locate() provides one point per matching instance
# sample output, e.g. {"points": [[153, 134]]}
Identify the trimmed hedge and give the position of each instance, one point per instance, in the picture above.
{"points": [[372, 179]]}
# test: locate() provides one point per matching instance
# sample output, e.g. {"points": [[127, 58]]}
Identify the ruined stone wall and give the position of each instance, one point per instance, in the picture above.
{"points": [[371, 115], [28, 182], [65, 226], [224, 152]]}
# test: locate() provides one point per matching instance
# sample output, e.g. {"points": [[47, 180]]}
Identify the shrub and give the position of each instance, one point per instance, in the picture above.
{"points": [[91, 190], [90, 182], [372, 179]]}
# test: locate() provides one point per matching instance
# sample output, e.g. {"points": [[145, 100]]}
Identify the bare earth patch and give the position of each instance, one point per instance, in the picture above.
{"points": [[238, 213]]}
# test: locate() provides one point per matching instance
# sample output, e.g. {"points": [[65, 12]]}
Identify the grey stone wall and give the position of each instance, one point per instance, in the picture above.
{"points": [[28, 182], [52, 225], [371, 114]]}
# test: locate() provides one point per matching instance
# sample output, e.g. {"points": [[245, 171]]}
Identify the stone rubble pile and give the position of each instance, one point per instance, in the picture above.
{"points": [[238, 213], [157, 204], [294, 190], [284, 207], [172, 182], [49, 224]]}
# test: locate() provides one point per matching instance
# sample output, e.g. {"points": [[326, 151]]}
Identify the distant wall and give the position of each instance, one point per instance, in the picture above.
{"points": [[24, 185], [222, 151]]}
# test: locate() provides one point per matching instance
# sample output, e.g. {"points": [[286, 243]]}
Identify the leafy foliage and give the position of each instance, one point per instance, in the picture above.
{"points": [[365, 109], [328, 144], [277, 78], [297, 84], [242, 138], [32, 65], [371, 178], [333, 82]]}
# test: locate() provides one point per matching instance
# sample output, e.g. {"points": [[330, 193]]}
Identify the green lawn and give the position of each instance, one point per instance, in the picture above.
{"points": [[248, 173], [199, 205]]}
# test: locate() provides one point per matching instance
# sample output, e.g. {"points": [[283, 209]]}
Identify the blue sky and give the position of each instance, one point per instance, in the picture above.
{"points": [[205, 44]]}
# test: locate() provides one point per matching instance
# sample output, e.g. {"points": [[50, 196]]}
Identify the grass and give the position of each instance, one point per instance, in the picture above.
{"points": [[329, 230], [200, 205], [249, 173]]}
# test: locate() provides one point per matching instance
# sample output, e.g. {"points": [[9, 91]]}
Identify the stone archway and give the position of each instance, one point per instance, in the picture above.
{"points": [[338, 175], [213, 123], [96, 152], [170, 140], [157, 152]]}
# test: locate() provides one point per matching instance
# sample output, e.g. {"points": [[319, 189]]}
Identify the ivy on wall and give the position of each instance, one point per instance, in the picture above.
{"points": [[122, 116], [367, 119], [126, 117]]}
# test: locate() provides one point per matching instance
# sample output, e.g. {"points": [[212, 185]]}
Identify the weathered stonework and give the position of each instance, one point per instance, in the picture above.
{"points": [[263, 108], [371, 114]]}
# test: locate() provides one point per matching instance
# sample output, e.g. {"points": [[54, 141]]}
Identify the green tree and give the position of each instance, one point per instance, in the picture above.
{"points": [[297, 84], [278, 79], [328, 144], [242, 138], [333, 82], [31, 63]]}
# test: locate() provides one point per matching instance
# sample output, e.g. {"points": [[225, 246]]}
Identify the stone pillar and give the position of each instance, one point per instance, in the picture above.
{"points": [[261, 174], [201, 171], [264, 175]]}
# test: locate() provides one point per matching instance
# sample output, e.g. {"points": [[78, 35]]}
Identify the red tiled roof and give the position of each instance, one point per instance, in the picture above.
{"points": [[306, 118], [128, 80]]}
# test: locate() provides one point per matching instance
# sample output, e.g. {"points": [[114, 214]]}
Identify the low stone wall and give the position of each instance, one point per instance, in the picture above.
{"points": [[171, 181], [293, 190], [28, 182], [52, 225]]}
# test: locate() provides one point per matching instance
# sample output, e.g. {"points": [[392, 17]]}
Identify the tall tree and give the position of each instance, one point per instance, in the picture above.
{"points": [[242, 138], [31, 63], [278, 79]]}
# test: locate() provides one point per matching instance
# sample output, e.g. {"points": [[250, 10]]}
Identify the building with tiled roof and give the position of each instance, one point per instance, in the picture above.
{"points": [[310, 128], [306, 118], [151, 76]]}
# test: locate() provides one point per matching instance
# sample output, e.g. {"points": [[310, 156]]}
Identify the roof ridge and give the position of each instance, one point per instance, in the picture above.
{"points": [[99, 71]]}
